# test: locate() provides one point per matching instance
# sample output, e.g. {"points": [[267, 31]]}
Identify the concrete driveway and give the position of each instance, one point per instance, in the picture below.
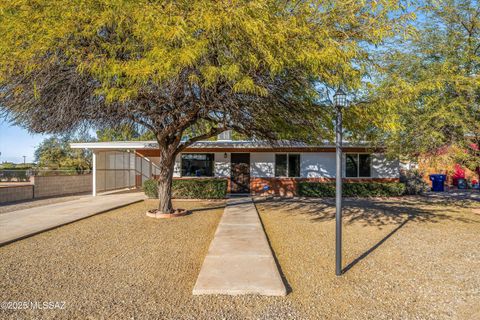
{"points": [[19, 224]]}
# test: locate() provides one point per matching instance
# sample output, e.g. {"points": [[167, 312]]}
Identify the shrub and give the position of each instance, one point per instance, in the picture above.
{"points": [[200, 188], [351, 189], [414, 182], [190, 188], [14, 175], [150, 187]]}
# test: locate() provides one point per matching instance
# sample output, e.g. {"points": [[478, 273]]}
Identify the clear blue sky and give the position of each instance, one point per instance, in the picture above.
{"points": [[16, 142]]}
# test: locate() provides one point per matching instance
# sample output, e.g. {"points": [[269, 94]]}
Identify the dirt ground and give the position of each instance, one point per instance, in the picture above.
{"points": [[405, 259]]}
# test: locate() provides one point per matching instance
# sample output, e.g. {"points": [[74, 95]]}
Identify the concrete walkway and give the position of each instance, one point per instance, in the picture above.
{"points": [[239, 260], [19, 224]]}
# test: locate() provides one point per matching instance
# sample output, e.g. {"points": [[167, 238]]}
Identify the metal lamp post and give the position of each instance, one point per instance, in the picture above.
{"points": [[340, 101]]}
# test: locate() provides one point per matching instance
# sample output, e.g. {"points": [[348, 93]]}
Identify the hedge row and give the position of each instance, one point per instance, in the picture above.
{"points": [[352, 189], [14, 175], [190, 188]]}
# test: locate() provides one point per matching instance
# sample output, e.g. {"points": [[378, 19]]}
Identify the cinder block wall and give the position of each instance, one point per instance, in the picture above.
{"points": [[16, 193], [62, 185]]}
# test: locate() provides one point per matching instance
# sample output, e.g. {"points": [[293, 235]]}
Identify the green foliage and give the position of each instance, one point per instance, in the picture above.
{"points": [[126, 132], [14, 175], [155, 40], [427, 95], [55, 153], [210, 188], [16, 166], [353, 189], [414, 182], [186, 68], [273, 53], [150, 187], [200, 188]]}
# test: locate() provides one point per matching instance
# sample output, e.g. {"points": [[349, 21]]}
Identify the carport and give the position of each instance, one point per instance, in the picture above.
{"points": [[119, 165]]}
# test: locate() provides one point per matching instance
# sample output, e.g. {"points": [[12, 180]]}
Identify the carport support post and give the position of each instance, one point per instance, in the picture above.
{"points": [[94, 174]]}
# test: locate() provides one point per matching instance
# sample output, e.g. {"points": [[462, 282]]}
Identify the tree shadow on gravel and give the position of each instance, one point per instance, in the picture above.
{"points": [[374, 212], [374, 247]]}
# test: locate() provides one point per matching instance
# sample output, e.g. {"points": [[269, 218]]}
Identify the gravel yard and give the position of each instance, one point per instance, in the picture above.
{"points": [[122, 264], [408, 258]]}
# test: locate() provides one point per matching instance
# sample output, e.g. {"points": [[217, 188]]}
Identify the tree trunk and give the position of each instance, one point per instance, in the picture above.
{"points": [[165, 179]]}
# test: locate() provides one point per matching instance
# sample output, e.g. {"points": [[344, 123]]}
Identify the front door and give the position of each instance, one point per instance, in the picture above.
{"points": [[240, 176]]}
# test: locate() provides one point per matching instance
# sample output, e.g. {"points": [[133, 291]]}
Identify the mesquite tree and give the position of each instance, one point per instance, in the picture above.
{"points": [[427, 99], [185, 70]]}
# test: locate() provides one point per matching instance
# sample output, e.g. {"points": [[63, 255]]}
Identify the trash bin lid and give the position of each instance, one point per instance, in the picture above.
{"points": [[438, 177]]}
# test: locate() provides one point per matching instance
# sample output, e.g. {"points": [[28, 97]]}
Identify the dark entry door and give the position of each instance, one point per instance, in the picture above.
{"points": [[240, 176]]}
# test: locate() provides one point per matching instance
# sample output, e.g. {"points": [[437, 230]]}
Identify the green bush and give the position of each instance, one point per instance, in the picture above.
{"points": [[15, 175], [200, 188], [150, 187], [414, 183], [351, 189], [190, 188]]}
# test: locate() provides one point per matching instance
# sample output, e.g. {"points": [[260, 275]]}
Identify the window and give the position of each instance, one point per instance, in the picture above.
{"points": [[364, 165], [280, 165], [358, 165], [287, 165], [294, 165], [197, 164]]}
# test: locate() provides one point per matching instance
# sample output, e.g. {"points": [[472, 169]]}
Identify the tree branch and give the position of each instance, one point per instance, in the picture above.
{"points": [[211, 133]]}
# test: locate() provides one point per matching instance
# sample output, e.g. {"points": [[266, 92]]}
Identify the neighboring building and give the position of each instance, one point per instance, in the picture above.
{"points": [[253, 167]]}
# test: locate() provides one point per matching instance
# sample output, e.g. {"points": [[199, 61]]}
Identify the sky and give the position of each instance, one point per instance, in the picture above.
{"points": [[16, 142]]}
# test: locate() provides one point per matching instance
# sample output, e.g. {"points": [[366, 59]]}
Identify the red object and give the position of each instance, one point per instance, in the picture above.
{"points": [[459, 173]]}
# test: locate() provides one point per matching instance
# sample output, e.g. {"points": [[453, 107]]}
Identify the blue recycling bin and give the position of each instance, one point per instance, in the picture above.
{"points": [[438, 182], [462, 184]]}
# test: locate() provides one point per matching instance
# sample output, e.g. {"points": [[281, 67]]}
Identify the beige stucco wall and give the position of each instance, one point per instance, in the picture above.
{"points": [[61, 185], [16, 193]]}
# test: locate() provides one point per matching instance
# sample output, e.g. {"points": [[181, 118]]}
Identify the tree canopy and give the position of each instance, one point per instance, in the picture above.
{"points": [[427, 96], [249, 64], [173, 67], [55, 153]]}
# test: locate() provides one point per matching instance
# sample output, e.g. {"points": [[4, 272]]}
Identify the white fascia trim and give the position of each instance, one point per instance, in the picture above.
{"points": [[115, 145], [199, 145]]}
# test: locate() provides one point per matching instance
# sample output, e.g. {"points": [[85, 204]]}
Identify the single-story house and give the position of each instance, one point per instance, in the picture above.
{"points": [[253, 167]]}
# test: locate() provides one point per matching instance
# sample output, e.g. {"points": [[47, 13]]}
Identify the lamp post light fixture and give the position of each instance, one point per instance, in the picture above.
{"points": [[340, 101]]}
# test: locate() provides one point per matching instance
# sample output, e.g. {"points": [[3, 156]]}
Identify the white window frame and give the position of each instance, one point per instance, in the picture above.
{"points": [[358, 165], [288, 163]]}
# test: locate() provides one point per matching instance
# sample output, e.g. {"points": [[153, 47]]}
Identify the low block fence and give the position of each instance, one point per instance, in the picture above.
{"points": [[16, 193], [46, 186]]}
